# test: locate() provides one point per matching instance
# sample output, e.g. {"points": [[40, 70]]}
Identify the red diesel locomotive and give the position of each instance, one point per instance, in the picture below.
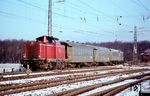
{"points": [[44, 53]]}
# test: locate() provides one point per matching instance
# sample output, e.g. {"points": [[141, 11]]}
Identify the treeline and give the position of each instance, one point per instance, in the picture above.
{"points": [[11, 51]]}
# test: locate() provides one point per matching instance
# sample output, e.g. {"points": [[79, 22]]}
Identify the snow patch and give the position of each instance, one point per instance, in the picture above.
{"points": [[55, 77], [106, 87], [9, 66]]}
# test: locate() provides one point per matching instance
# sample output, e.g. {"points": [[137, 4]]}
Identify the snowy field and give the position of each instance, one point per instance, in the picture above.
{"points": [[9, 66]]}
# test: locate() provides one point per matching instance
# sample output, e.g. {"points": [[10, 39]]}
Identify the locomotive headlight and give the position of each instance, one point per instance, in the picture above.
{"points": [[24, 56]]}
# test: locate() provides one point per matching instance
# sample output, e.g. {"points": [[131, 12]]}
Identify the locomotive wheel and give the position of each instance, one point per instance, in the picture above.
{"points": [[79, 66], [62, 65]]}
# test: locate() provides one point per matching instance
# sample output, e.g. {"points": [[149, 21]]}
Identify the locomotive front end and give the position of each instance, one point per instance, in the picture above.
{"points": [[31, 54]]}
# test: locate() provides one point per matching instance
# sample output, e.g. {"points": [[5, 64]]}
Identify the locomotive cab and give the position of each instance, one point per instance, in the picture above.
{"points": [[47, 39]]}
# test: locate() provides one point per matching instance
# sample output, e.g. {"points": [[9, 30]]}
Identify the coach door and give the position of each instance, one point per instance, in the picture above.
{"points": [[95, 55]]}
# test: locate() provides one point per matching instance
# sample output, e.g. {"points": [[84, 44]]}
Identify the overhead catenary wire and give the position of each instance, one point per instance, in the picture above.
{"points": [[22, 17], [77, 7], [30, 4], [75, 19], [96, 17], [140, 4], [144, 6], [118, 7], [145, 17], [54, 25], [76, 29], [94, 9], [102, 13], [72, 18]]}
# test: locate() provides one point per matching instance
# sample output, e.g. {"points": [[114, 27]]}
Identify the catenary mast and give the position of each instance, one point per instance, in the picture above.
{"points": [[49, 17]]}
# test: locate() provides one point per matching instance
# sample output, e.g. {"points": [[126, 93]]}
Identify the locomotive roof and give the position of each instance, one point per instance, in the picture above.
{"points": [[48, 38]]}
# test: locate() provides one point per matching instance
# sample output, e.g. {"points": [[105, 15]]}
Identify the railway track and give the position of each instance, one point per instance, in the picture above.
{"points": [[107, 92], [66, 80], [69, 69], [59, 72], [69, 76], [74, 77], [115, 90]]}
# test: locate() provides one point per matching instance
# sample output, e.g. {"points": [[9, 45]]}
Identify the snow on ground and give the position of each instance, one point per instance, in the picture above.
{"points": [[57, 76], [145, 86], [8, 67], [81, 69], [118, 66], [47, 72], [129, 92], [65, 87], [5, 76], [133, 67], [106, 87]]}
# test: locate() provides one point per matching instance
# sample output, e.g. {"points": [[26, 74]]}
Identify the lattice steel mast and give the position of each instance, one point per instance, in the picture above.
{"points": [[50, 18], [135, 46]]}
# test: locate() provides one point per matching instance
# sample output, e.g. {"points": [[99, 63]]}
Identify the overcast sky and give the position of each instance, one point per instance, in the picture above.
{"points": [[76, 20]]}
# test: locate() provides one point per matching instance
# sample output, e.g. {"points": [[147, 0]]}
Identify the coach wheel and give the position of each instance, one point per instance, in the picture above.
{"points": [[71, 65], [79, 66]]}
